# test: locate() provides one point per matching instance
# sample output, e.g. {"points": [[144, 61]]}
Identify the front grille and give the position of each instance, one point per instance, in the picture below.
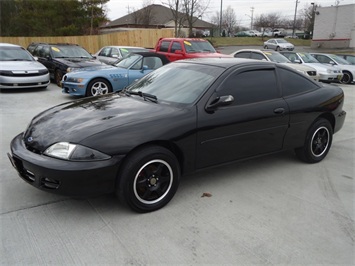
{"points": [[24, 73], [23, 84], [312, 73]]}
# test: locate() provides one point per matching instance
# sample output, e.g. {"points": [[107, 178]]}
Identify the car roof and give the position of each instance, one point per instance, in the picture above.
{"points": [[225, 62], [185, 39], [3, 44]]}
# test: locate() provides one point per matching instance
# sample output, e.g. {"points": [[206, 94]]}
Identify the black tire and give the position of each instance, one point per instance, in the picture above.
{"points": [[277, 48], [265, 47], [317, 143], [347, 78], [148, 179], [58, 75], [98, 87]]}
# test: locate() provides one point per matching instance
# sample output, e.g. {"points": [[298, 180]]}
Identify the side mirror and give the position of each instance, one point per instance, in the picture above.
{"points": [[297, 61], [145, 67], [114, 56], [332, 63], [219, 102]]}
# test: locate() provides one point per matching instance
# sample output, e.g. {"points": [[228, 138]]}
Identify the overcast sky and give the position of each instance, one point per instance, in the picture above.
{"points": [[242, 8]]}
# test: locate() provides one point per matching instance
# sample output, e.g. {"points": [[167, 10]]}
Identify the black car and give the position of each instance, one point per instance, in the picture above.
{"points": [[182, 117], [62, 58]]}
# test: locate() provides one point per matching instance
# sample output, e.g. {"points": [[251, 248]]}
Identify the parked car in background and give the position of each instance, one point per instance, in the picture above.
{"points": [[63, 58], [278, 45], [334, 60], [186, 48], [104, 79], [185, 116], [274, 33], [348, 57], [326, 73], [272, 56], [20, 70], [243, 34], [255, 33], [110, 54]]}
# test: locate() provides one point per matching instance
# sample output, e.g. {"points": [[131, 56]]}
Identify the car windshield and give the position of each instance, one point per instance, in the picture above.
{"points": [[70, 51], [277, 57], [339, 60], [14, 54], [178, 84], [198, 47], [307, 58], [126, 51], [128, 61]]}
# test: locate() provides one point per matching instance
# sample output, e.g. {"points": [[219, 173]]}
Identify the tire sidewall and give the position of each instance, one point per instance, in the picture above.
{"points": [[91, 83], [319, 124], [130, 169]]}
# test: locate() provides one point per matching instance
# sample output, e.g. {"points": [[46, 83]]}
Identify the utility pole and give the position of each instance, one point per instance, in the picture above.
{"points": [[252, 18], [294, 20], [220, 19]]}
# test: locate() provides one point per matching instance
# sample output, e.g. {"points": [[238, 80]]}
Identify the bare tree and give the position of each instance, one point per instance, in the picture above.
{"points": [[193, 9], [267, 21], [178, 15], [229, 19]]}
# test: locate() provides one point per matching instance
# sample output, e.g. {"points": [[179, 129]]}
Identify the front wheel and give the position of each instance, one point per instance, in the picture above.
{"points": [[149, 179], [317, 143], [347, 78], [58, 75], [98, 87], [265, 47], [278, 48]]}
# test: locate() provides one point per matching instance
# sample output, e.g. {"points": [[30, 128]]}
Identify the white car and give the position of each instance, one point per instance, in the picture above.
{"points": [[254, 33], [110, 54], [20, 70], [278, 45], [272, 56], [334, 60], [326, 73]]}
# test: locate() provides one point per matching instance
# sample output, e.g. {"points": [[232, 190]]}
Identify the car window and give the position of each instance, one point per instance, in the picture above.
{"points": [[276, 57], [242, 55], [69, 51], [246, 88], [175, 46], [105, 51], [14, 54], [164, 46], [258, 56], [152, 62], [114, 51], [323, 59], [198, 46], [299, 84], [129, 61], [307, 58]]}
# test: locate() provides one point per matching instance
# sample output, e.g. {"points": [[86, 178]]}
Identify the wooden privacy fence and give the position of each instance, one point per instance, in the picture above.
{"points": [[92, 43]]}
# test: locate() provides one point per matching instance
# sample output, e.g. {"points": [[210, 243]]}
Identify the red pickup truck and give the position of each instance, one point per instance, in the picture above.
{"points": [[183, 48]]}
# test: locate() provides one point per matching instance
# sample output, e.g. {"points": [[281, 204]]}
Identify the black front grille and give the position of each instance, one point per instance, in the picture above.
{"points": [[24, 73], [24, 84]]}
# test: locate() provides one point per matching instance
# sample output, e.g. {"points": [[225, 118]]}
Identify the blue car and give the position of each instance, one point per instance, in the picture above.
{"points": [[104, 79]]}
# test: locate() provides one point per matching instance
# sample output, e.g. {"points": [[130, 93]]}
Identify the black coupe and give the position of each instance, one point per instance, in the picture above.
{"points": [[182, 117]]}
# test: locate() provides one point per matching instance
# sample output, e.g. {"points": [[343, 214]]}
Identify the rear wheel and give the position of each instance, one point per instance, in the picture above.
{"points": [[265, 47], [347, 77], [149, 179], [98, 87], [317, 143]]}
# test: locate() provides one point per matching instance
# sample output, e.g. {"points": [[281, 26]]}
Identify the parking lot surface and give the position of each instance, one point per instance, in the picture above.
{"points": [[270, 210]]}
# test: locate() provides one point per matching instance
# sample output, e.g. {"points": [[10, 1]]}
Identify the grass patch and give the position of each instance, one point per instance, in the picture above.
{"points": [[250, 41]]}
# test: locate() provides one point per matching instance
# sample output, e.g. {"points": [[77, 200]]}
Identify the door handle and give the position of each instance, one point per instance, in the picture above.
{"points": [[279, 110]]}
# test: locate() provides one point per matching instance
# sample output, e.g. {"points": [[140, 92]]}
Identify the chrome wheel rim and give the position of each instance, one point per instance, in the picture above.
{"points": [[320, 141], [99, 88]]}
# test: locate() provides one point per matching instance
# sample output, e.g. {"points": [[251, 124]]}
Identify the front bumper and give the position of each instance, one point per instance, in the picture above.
{"points": [[63, 177], [24, 82], [76, 89], [330, 77]]}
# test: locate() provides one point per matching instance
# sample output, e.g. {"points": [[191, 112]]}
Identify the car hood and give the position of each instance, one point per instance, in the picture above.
{"points": [[303, 68], [79, 62], [322, 67], [78, 120], [21, 65], [88, 71]]}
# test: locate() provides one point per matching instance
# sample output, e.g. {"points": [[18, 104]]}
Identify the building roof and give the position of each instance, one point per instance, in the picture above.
{"points": [[160, 16]]}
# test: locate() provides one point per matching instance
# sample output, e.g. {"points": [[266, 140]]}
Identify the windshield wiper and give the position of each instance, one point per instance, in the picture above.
{"points": [[146, 96]]}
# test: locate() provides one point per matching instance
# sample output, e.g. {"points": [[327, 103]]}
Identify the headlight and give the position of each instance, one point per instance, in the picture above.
{"points": [[74, 152], [74, 80]]}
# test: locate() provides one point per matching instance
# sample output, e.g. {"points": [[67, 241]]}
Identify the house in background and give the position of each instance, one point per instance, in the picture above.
{"points": [[157, 17], [334, 27]]}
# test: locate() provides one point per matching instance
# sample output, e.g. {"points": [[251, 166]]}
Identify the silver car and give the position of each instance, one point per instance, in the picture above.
{"points": [[110, 54], [19, 69], [278, 45], [326, 73]]}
